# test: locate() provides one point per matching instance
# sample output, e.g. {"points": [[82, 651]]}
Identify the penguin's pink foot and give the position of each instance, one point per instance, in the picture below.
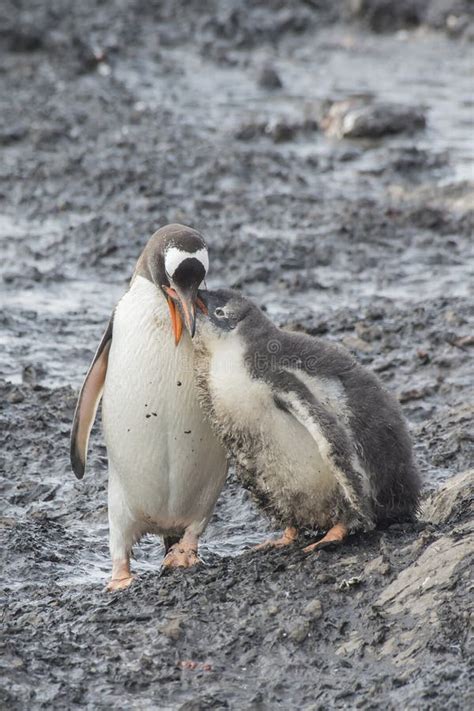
{"points": [[183, 554], [288, 537], [336, 534], [121, 576], [178, 557], [119, 583]]}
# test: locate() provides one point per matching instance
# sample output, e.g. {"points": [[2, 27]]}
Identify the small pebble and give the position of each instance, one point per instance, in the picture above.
{"points": [[378, 565], [349, 583], [269, 78], [172, 629], [299, 632], [15, 396], [314, 609]]}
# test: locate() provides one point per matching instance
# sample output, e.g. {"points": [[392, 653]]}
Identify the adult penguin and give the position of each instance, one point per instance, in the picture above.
{"points": [[166, 467]]}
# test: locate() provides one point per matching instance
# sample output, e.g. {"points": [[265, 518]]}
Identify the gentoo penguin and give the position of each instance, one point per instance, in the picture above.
{"points": [[166, 467], [316, 438]]}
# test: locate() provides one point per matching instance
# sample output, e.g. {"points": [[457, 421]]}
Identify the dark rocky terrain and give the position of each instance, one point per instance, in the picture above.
{"points": [[325, 150]]}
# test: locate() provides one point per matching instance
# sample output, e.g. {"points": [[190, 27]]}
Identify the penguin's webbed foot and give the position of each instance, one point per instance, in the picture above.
{"points": [[121, 576], [289, 536], [184, 553], [336, 534], [180, 557], [119, 583]]}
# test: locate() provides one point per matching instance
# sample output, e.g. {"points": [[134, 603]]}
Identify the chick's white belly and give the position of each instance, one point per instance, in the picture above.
{"points": [[281, 462], [284, 467], [292, 467], [163, 456]]}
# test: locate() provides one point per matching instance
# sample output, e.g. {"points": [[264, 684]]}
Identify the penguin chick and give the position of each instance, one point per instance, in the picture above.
{"points": [[316, 438], [166, 467]]}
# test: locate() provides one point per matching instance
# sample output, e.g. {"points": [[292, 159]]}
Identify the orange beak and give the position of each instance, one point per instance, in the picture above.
{"points": [[176, 320], [175, 315]]}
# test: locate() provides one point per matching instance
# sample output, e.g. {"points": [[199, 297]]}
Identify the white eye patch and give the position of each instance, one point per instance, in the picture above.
{"points": [[174, 256]]}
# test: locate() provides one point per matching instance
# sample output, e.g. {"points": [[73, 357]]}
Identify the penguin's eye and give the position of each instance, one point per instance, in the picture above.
{"points": [[220, 313]]}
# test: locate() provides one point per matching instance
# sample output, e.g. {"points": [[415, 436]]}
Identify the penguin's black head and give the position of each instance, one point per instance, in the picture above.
{"points": [[226, 309], [176, 260]]}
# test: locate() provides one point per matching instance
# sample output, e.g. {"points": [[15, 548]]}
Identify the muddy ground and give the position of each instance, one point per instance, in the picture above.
{"points": [[116, 118]]}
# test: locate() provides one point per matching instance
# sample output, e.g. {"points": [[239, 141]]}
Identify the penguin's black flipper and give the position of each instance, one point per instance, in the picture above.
{"points": [[88, 402], [335, 448]]}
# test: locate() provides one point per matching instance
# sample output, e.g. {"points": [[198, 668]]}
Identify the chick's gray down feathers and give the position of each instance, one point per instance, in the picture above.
{"points": [[357, 426]]}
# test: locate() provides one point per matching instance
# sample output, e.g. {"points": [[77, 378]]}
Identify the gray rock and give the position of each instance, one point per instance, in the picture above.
{"points": [[314, 609], [387, 15], [417, 393], [348, 584], [379, 565], [279, 130], [16, 396], [172, 629], [299, 631], [453, 502], [361, 117], [390, 16], [420, 593], [353, 644], [269, 78]]}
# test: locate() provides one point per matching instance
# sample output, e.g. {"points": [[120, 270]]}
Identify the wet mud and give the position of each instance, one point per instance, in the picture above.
{"points": [[244, 120]]}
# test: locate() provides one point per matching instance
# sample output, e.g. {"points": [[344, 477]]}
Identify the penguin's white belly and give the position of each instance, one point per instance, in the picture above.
{"points": [[164, 460], [291, 470], [282, 461]]}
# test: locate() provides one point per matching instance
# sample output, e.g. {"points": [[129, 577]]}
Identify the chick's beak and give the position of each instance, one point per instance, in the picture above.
{"points": [[182, 305]]}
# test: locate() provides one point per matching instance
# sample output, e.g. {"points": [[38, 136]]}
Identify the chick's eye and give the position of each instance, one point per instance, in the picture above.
{"points": [[220, 313]]}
